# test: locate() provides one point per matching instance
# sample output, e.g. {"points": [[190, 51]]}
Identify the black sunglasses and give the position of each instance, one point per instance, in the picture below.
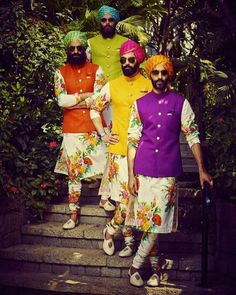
{"points": [[156, 72], [130, 59], [79, 48], [110, 20]]}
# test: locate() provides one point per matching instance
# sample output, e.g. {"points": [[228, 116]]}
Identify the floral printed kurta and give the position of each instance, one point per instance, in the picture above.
{"points": [[82, 155], [154, 209], [120, 94]]}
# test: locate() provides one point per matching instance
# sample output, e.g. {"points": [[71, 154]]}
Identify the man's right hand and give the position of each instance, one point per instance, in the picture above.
{"points": [[133, 185], [111, 138]]}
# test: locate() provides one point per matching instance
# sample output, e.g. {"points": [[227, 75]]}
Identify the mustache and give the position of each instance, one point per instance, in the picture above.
{"points": [[127, 67]]}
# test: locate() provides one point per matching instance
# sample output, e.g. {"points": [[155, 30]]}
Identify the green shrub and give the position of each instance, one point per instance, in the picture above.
{"points": [[30, 51]]}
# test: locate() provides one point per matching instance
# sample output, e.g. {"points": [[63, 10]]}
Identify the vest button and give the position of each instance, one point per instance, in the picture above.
{"points": [[79, 71], [158, 138], [80, 90], [108, 46], [158, 125], [108, 66], [156, 150], [108, 56], [80, 80], [159, 114], [83, 112]]}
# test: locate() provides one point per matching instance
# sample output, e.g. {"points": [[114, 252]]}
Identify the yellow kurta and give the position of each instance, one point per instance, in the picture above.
{"points": [[121, 94]]}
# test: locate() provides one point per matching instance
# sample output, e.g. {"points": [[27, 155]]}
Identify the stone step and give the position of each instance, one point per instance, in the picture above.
{"points": [[189, 212], [93, 262], [26, 283], [89, 213], [90, 236]]}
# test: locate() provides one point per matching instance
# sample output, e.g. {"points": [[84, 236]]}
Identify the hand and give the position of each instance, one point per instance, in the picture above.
{"points": [[205, 177], [110, 138], [133, 185]]}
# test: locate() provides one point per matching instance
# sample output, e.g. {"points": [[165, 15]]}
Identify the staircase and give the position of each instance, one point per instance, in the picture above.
{"points": [[50, 260]]}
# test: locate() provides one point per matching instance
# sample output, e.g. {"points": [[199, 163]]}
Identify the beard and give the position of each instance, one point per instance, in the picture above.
{"points": [[159, 85], [76, 59], [108, 31], [130, 71]]}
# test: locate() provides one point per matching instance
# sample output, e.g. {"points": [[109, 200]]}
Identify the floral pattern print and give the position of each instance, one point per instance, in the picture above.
{"points": [[153, 208], [82, 155]]}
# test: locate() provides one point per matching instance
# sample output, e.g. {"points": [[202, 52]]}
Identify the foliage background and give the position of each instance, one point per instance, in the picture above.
{"points": [[198, 35]]}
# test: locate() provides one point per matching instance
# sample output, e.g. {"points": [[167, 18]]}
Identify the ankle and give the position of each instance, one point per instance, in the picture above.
{"points": [[133, 270], [74, 216]]}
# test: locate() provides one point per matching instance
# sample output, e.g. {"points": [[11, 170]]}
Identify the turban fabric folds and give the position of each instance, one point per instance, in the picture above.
{"points": [[131, 46], [155, 60], [75, 35], [111, 10]]}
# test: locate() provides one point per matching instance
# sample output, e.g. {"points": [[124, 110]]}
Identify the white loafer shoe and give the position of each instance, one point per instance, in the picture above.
{"points": [[135, 279], [126, 252], [108, 245], [154, 280], [70, 224], [108, 206]]}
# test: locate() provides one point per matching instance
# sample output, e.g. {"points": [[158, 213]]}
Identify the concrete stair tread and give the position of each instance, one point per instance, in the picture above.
{"points": [[93, 257], [86, 209], [79, 284], [92, 231]]}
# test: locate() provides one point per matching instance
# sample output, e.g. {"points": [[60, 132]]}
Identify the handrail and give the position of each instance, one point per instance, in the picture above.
{"points": [[206, 201]]}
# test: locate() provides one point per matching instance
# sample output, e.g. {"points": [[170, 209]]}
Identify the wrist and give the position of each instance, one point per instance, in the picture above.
{"points": [[78, 98], [102, 133]]}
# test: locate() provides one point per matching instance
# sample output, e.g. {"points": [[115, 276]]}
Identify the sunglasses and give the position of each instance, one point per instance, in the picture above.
{"points": [[110, 20], [79, 48], [156, 72], [131, 60]]}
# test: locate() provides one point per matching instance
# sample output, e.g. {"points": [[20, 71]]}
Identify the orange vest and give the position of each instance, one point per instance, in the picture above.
{"points": [[79, 79]]}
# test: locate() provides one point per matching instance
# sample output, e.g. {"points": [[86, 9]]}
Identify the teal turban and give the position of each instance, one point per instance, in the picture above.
{"points": [[75, 35], [108, 9]]}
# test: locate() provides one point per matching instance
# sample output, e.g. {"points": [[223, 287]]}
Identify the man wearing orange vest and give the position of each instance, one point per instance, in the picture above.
{"points": [[120, 93], [82, 152]]}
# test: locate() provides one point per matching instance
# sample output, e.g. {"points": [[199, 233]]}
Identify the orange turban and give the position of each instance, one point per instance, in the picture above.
{"points": [[155, 60]]}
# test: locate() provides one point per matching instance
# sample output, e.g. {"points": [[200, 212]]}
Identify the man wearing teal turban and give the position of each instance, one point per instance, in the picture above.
{"points": [[103, 50]]}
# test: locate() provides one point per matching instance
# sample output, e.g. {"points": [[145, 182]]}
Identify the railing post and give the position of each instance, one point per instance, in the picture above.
{"points": [[205, 225]]}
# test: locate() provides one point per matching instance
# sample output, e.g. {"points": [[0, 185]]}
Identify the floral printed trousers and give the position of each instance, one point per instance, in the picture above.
{"points": [[148, 247]]}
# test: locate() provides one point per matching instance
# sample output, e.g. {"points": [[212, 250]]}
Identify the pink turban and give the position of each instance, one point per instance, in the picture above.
{"points": [[131, 46]]}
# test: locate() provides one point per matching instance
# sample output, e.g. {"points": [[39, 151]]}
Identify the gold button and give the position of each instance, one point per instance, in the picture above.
{"points": [[159, 114], [80, 80], [158, 138], [108, 66], [158, 125], [80, 90], [79, 71], [156, 150]]}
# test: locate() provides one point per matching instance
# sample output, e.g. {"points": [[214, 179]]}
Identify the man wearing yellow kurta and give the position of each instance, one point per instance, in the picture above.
{"points": [[120, 93], [104, 50], [83, 154]]}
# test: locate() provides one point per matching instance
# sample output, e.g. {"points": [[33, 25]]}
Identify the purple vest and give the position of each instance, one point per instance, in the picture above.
{"points": [[158, 152]]}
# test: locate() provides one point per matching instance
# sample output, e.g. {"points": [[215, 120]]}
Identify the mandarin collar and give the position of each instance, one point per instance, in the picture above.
{"points": [[129, 79], [160, 95]]}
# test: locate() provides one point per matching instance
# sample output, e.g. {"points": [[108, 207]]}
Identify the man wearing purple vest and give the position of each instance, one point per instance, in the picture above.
{"points": [[154, 162]]}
